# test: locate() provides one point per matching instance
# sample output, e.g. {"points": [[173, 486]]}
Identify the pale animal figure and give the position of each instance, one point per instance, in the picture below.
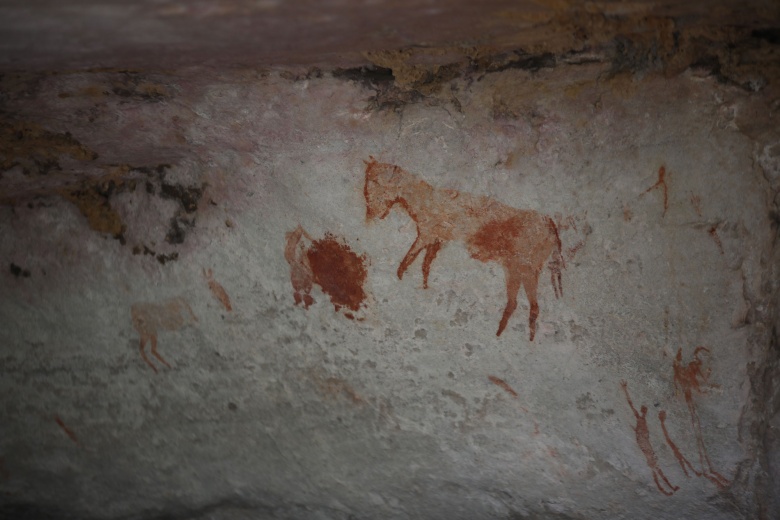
{"points": [[519, 240], [301, 275], [150, 318]]}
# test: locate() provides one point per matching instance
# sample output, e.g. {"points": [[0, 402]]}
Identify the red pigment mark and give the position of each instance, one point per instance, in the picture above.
{"points": [[67, 430], [677, 453], [301, 275], [150, 318], [519, 240], [572, 251], [504, 385], [643, 440], [696, 202], [661, 183], [713, 231], [339, 271], [627, 214], [217, 290], [689, 379]]}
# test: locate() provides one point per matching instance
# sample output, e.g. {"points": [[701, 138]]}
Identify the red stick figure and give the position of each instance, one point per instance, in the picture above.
{"points": [[661, 183], [643, 440], [677, 453], [689, 379], [301, 274]]}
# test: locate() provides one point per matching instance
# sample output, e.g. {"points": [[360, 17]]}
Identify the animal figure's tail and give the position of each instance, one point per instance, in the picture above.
{"points": [[557, 264]]}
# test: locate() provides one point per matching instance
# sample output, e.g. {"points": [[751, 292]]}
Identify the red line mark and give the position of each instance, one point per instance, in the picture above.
{"points": [[572, 251], [504, 385], [677, 453], [520, 240], [713, 231], [643, 440], [689, 379], [67, 430], [217, 290], [661, 183]]}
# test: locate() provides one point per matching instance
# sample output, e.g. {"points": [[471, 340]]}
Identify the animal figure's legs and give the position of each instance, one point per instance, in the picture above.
{"points": [[430, 255], [530, 278], [157, 354], [410, 256], [512, 272], [143, 354]]}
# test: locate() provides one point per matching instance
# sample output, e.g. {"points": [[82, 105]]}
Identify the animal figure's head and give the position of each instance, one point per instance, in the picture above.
{"points": [[381, 188]]}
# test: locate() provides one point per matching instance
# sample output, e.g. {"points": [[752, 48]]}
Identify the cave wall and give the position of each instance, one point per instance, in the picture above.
{"points": [[208, 313]]}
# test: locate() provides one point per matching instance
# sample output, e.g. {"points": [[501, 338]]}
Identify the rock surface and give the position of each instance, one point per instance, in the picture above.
{"points": [[274, 292]]}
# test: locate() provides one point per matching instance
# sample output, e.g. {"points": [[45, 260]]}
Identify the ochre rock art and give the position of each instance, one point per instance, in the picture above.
{"points": [[643, 440], [150, 318], [330, 263], [519, 240], [684, 463], [503, 385], [217, 290], [689, 379], [301, 274], [661, 183], [68, 431]]}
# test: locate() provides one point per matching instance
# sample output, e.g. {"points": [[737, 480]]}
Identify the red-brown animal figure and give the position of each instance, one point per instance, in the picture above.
{"points": [[519, 240], [150, 318]]}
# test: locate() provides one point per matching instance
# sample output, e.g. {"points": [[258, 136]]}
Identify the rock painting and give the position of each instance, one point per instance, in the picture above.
{"points": [[519, 240], [643, 440], [690, 379], [301, 274], [217, 290], [684, 463], [661, 184], [330, 263], [150, 318], [68, 431]]}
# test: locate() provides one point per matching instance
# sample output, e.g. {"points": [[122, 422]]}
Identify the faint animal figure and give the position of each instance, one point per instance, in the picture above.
{"points": [[689, 378], [217, 290], [301, 275], [643, 440], [519, 240], [150, 318]]}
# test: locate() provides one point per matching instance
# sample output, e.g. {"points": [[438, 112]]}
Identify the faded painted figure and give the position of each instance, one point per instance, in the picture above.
{"points": [[520, 240], [689, 379], [301, 274], [150, 318]]}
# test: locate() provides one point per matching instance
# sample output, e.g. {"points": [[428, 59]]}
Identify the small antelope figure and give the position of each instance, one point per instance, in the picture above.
{"points": [[519, 240], [150, 318]]}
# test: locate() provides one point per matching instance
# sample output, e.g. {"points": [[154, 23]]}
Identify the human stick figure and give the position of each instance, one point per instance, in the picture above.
{"points": [[643, 440]]}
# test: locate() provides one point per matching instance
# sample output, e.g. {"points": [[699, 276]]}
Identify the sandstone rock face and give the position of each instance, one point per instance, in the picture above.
{"points": [[529, 286]]}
